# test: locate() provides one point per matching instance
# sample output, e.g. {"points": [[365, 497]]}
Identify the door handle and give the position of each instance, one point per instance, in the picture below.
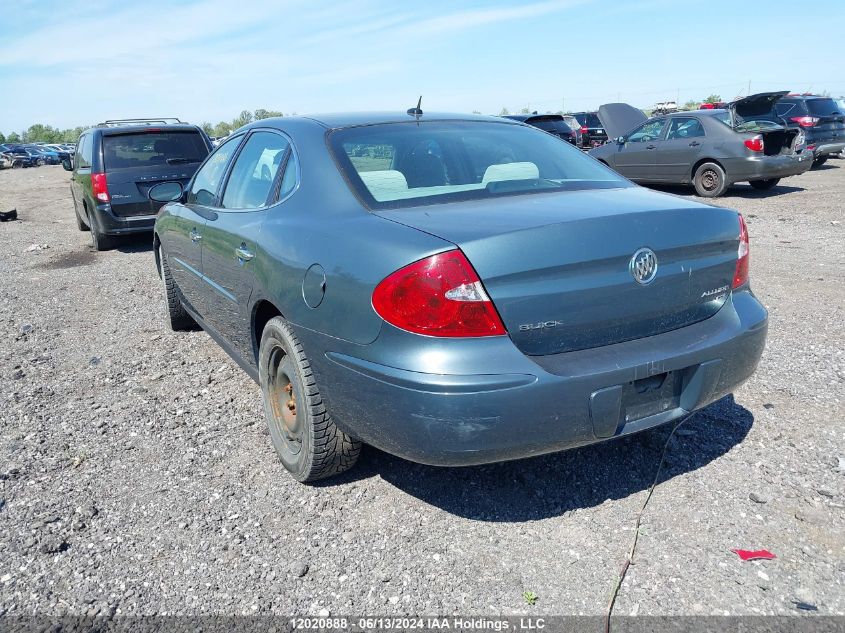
{"points": [[650, 146], [694, 144], [244, 254], [195, 236]]}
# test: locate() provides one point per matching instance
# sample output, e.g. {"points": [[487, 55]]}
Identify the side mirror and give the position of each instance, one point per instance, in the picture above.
{"points": [[166, 192], [621, 140], [67, 164]]}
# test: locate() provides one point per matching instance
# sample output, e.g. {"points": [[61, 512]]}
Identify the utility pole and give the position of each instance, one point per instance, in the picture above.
{"points": [[749, 88]]}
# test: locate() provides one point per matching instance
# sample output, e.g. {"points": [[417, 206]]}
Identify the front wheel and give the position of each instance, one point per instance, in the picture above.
{"points": [[764, 185], [304, 435], [709, 180], [821, 160]]}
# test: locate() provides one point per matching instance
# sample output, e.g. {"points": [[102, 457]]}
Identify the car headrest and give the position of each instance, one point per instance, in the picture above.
{"points": [[384, 182], [510, 171]]}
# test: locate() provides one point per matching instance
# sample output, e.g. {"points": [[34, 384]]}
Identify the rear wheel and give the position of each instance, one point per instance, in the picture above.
{"points": [[175, 315], [101, 241], [709, 180], [39, 162], [81, 224], [304, 435], [764, 184], [821, 160]]}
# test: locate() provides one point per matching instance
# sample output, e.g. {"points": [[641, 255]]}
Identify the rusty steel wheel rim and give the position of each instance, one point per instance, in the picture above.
{"points": [[283, 397], [710, 180]]}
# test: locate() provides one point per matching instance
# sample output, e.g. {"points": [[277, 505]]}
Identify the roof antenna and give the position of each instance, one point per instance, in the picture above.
{"points": [[416, 112]]}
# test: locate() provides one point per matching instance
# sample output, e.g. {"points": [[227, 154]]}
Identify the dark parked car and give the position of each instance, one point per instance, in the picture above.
{"points": [[116, 164], [18, 156], [711, 149], [467, 290], [821, 119], [592, 129], [44, 155], [554, 124]]}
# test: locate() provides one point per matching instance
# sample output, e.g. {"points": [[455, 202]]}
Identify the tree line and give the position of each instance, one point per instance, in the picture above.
{"points": [[41, 133]]}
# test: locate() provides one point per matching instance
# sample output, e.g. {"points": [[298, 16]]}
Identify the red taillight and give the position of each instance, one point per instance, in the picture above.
{"points": [[742, 256], [585, 130], [805, 121], [440, 295], [755, 144], [100, 187]]}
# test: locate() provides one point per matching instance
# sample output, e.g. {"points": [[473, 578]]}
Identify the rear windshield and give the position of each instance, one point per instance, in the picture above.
{"points": [[823, 107], [588, 119], [409, 164], [144, 149], [550, 125]]}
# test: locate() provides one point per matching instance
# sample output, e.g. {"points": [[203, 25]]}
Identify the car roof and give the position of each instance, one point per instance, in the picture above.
{"points": [[334, 120]]}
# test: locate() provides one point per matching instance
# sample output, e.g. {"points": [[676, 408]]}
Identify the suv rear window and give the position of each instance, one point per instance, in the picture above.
{"points": [[588, 119], [823, 107], [408, 164], [145, 149], [550, 124]]}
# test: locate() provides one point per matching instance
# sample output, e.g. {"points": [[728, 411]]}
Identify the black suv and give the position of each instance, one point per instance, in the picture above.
{"points": [[115, 165], [820, 118], [554, 124], [592, 132]]}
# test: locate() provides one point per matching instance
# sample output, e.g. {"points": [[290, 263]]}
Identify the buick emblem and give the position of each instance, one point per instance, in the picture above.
{"points": [[643, 266]]}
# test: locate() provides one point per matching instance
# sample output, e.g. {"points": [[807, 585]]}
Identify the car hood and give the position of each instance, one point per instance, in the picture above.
{"points": [[756, 105], [620, 118]]}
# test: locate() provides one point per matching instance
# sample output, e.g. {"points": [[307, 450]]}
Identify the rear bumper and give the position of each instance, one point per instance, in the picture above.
{"points": [[509, 406], [825, 149], [111, 224], [765, 167]]}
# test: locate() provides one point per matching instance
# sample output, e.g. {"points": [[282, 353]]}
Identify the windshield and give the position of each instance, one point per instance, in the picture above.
{"points": [[144, 149], [408, 164]]}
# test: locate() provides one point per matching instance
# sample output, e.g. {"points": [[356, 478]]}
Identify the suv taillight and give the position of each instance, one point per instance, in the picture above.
{"points": [[805, 121], [440, 295], [100, 187], [585, 129], [742, 256], [755, 144]]}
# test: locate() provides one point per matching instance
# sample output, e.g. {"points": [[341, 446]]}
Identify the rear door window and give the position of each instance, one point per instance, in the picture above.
{"points": [[83, 154], [145, 149], [254, 171], [683, 127]]}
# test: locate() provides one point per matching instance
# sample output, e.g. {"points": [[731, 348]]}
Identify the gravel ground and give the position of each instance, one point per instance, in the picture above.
{"points": [[137, 475]]}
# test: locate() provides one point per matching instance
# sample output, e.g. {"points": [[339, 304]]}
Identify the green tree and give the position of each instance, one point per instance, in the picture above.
{"points": [[713, 99], [242, 119], [525, 111], [208, 128], [13, 137], [504, 112], [691, 105], [41, 132], [2, 138], [261, 113], [222, 129]]}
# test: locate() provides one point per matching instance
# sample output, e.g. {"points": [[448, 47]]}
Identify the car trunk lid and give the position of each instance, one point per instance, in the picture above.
{"points": [[558, 266], [756, 105], [129, 187]]}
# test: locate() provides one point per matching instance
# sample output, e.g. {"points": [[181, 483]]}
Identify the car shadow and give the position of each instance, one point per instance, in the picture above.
{"points": [[552, 485], [738, 190], [824, 167], [140, 243]]}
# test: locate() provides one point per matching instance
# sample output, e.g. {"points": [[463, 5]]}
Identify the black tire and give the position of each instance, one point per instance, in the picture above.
{"points": [[764, 185], [80, 223], [709, 180], [39, 162], [304, 435], [818, 162], [175, 315], [101, 241]]}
